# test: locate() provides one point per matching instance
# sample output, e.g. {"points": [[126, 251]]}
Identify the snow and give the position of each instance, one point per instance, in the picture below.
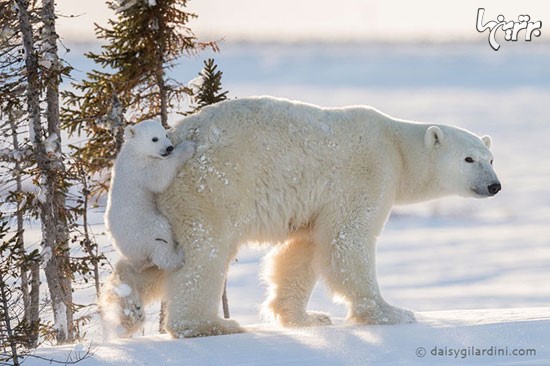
{"points": [[123, 290], [460, 334], [46, 255], [61, 318], [45, 63], [51, 144], [41, 196], [18, 155], [475, 272], [5, 33], [5, 154], [196, 84], [122, 5], [32, 132]]}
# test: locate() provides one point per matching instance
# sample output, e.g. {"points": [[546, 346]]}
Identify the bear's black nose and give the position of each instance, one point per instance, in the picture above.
{"points": [[170, 149], [494, 188]]}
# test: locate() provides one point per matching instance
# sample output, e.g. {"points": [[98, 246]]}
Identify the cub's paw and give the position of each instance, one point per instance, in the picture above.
{"points": [[167, 257], [185, 150]]}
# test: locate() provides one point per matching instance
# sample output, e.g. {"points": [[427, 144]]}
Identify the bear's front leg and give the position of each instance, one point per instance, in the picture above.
{"points": [[350, 272], [194, 291]]}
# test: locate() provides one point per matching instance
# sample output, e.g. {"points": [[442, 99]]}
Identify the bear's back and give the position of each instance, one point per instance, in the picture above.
{"points": [[260, 118]]}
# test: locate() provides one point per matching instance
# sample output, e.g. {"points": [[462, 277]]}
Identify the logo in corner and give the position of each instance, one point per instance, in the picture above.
{"points": [[512, 29]]}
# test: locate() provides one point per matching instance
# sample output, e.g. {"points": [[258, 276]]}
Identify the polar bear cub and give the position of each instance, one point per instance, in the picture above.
{"points": [[146, 165]]}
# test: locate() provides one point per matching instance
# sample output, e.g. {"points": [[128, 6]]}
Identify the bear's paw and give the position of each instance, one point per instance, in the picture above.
{"points": [[191, 329], [309, 319], [383, 314]]}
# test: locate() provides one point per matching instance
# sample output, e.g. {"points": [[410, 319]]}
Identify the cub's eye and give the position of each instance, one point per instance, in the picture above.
{"points": [[491, 162], [469, 160], [155, 139]]}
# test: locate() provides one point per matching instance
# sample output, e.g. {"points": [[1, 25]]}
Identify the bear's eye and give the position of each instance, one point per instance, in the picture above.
{"points": [[155, 139], [491, 162], [469, 160]]}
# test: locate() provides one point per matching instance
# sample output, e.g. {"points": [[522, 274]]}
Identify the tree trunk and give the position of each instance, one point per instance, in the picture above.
{"points": [[7, 321], [19, 215], [116, 120], [88, 243], [33, 87], [34, 310], [225, 302], [163, 95], [162, 317], [31, 309], [161, 82], [35, 127], [57, 271], [55, 233]]}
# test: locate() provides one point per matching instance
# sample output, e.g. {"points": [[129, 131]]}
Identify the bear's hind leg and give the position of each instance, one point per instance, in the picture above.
{"points": [[124, 296], [193, 301], [121, 306], [290, 273]]}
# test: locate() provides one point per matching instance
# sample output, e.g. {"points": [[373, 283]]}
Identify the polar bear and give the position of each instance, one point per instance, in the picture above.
{"points": [[145, 166], [319, 184], [124, 296]]}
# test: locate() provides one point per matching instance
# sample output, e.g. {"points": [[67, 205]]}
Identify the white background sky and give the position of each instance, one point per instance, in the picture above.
{"points": [[321, 19]]}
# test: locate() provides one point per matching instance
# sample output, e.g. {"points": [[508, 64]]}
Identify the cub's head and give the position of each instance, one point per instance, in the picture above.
{"points": [[464, 161], [148, 138]]}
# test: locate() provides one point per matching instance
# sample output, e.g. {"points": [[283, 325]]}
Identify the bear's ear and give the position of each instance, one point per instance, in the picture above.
{"points": [[129, 132], [433, 137], [487, 141]]}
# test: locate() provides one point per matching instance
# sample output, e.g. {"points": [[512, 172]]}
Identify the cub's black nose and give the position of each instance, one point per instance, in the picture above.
{"points": [[170, 149], [494, 188]]}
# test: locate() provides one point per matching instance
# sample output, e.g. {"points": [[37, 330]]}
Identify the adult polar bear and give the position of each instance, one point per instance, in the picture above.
{"points": [[318, 182]]}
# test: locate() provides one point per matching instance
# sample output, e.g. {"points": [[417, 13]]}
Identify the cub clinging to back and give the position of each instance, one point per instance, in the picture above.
{"points": [[145, 166]]}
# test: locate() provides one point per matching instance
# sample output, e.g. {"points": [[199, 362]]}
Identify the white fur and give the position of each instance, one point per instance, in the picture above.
{"points": [[143, 169], [126, 294], [318, 182]]}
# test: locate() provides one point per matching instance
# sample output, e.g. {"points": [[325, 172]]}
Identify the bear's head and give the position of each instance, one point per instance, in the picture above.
{"points": [[463, 161], [148, 138]]}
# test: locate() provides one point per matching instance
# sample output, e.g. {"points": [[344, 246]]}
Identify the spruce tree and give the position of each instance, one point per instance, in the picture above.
{"points": [[16, 161], [10, 347], [32, 28], [142, 43], [207, 88], [15, 330]]}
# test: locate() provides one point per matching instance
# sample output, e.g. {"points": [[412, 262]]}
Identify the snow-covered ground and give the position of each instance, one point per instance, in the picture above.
{"points": [[476, 337], [439, 258]]}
